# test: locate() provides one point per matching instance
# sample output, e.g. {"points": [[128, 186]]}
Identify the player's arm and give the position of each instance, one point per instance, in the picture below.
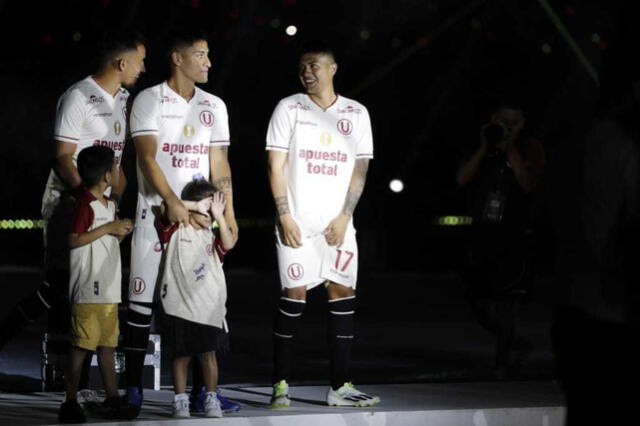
{"points": [[217, 208], [334, 233], [221, 179], [291, 235], [118, 228], [146, 146], [118, 187], [63, 164]]}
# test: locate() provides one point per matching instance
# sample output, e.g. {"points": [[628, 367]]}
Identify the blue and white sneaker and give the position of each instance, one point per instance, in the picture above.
{"points": [[133, 403], [198, 401]]}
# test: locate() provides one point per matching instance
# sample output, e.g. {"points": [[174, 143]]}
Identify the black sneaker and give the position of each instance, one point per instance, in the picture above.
{"points": [[71, 412], [110, 407]]}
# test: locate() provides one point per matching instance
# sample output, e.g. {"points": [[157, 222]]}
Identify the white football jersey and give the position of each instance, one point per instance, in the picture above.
{"points": [[185, 131], [87, 115], [193, 283], [322, 148], [95, 268]]}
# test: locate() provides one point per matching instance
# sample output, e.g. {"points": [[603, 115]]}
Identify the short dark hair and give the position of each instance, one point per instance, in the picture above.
{"points": [[198, 189], [114, 43], [183, 39], [93, 163], [317, 46]]}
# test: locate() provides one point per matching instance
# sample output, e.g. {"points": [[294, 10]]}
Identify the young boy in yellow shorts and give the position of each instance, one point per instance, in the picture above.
{"points": [[95, 280]]}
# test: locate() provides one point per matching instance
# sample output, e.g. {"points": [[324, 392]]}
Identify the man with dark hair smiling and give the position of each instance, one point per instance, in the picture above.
{"points": [[181, 133], [319, 147]]}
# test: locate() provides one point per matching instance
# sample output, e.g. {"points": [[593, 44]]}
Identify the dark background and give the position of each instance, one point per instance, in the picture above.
{"points": [[428, 71]]}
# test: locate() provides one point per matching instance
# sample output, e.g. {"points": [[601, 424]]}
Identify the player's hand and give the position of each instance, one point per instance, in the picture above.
{"points": [[177, 212], [291, 235], [217, 206], [334, 233], [121, 227]]}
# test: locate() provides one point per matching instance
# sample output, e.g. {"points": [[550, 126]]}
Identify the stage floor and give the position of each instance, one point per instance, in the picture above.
{"points": [[450, 404]]}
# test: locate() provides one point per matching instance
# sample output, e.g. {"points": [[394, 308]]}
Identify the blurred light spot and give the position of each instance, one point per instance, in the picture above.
{"points": [[396, 185], [365, 34], [595, 37], [77, 36], [291, 30], [259, 20], [475, 23], [275, 23], [546, 48], [422, 42], [48, 40]]}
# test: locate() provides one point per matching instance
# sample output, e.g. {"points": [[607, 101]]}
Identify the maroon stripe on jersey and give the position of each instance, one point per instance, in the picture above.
{"points": [[279, 147], [66, 137], [146, 130]]}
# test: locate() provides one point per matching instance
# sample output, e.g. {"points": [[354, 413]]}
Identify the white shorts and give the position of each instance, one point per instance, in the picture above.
{"points": [[146, 254], [316, 262]]}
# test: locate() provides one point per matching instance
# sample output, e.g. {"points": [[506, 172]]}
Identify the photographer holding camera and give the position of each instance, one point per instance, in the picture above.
{"points": [[501, 173]]}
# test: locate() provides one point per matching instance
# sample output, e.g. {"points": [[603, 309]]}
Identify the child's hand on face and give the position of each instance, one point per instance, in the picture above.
{"points": [[204, 205], [217, 205], [199, 221]]}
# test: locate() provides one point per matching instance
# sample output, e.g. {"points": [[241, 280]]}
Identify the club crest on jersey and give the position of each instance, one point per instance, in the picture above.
{"points": [[325, 138], [138, 285], [189, 130], [295, 271], [117, 127], [345, 126], [206, 118]]}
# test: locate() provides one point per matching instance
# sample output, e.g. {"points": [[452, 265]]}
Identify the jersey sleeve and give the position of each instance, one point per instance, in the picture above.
{"points": [[220, 132], [364, 143], [280, 129], [145, 115], [82, 217], [165, 229], [70, 115]]}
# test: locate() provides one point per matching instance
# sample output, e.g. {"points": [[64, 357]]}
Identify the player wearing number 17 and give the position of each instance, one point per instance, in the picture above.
{"points": [[319, 147]]}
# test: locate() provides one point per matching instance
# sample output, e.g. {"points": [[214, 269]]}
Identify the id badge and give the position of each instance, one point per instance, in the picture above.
{"points": [[494, 208]]}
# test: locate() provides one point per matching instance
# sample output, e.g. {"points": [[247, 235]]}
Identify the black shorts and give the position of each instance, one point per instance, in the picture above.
{"points": [[187, 338]]}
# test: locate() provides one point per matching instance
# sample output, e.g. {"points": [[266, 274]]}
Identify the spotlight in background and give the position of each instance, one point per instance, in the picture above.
{"points": [[291, 30], [396, 185]]}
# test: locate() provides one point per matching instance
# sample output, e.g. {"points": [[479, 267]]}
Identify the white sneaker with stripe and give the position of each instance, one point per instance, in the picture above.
{"points": [[349, 396]]}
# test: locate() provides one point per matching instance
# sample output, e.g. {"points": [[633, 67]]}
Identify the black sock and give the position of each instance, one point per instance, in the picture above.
{"points": [[341, 333]]}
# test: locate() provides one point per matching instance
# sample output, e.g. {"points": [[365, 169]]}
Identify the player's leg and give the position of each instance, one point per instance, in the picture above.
{"points": [[340, 267], [341, 331], [146, 254]]}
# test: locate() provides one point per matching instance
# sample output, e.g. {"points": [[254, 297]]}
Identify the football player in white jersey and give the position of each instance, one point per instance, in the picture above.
{"points": [[91, 112], [319, 145], [180, 133]]}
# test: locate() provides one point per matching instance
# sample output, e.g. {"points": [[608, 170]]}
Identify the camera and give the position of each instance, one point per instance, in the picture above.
{"points": [[494, 133]]}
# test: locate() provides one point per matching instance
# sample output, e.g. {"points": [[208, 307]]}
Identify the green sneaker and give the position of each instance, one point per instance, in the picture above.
{"points": [[280, 396]]}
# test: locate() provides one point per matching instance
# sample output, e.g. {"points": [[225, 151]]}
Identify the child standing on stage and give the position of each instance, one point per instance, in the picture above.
{"points": [[193, 291], [95, 280]]}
